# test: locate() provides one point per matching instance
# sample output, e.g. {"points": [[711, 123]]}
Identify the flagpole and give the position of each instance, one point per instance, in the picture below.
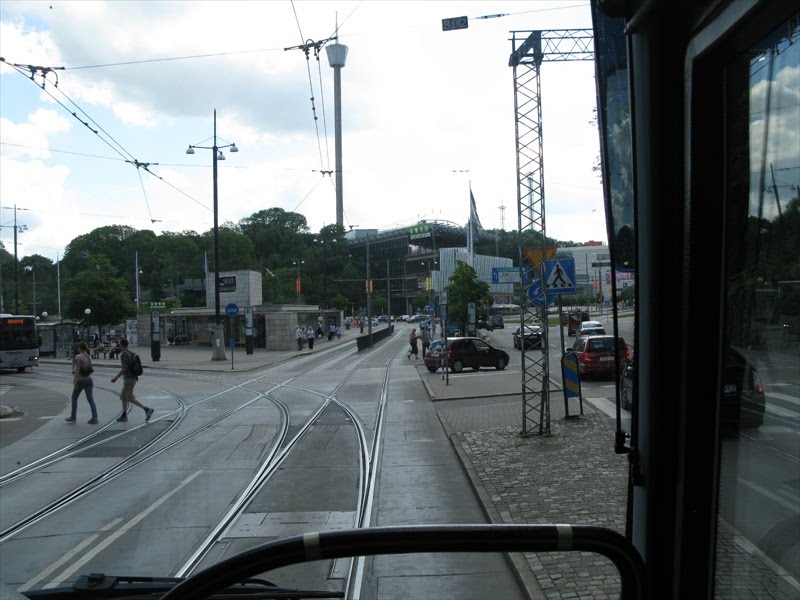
{"points": [[470, 242]]}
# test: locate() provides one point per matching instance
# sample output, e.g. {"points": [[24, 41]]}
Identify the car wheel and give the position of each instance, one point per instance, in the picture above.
{"points": [[20, 369], [458, 366], [432, 369], [501, 364]]}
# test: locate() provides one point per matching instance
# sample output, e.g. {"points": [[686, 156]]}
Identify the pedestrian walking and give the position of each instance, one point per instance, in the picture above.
{"points": [[82, 382], [331, 331], [298, 334], [310, 336], [412, 340], [426, 340], [128, 383]]}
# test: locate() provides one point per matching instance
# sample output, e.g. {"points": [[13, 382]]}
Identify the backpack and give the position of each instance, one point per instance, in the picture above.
{"points": [[86, 370], [136, 365]]}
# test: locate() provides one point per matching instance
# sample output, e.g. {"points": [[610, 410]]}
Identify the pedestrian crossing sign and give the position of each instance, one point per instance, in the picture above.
{"points": [[560, 276]]}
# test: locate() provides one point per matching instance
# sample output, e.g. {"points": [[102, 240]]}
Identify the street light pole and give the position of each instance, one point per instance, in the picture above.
{"points": [[30, 269], [136, 268], [219, 346], [297, 284]]}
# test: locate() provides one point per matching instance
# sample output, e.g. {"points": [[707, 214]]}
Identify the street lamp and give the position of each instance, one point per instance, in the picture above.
{"points": [[323, 243], [87, 312], [297, 287], [32, 271], [216, 151], [137, 272], [430, 277]]}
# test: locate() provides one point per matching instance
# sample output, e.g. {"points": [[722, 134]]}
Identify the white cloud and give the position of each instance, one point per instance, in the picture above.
{"points": [[419, 106]]}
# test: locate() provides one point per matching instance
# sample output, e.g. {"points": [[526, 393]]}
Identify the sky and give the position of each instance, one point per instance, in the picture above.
{"points": [[427, 114]]}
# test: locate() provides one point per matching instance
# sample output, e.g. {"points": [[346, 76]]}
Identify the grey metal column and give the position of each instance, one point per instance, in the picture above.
{"points": [[337, 56], [529, 50]]}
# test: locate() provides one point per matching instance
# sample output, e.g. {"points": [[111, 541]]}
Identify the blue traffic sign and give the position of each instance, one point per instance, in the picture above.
{"points": [[232, 310], [536, 295]]}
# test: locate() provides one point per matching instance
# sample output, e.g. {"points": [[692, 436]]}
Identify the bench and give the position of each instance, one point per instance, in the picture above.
{"points": [[104, 350]]}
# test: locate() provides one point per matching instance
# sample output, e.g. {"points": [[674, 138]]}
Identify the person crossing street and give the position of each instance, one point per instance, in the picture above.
{"points": [[129, 382]]}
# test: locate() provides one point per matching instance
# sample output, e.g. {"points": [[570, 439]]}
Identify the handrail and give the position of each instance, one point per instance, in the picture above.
{"points": [[421, 538]]}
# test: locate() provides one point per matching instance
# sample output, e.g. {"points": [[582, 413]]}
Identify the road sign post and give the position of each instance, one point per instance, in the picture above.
{"points": [[572, 382], [232, 310], [248, 329], [155, 335]]}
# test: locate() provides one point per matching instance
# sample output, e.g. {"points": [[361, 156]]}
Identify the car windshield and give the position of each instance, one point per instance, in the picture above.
{"points": [[239, 195]]}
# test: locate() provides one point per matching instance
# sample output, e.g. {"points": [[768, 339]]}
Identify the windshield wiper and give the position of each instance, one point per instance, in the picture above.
{"points": [[99, 586]]}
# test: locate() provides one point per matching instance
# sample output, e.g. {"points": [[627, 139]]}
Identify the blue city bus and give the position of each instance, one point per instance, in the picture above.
{"points": [[19, 342]]}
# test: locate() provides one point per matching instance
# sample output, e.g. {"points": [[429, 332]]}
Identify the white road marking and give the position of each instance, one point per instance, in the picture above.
{"points": [[67, 573], [67, 557]]}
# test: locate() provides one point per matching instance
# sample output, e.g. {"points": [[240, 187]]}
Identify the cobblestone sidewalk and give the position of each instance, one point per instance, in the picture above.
{"points": [[572, 476]]}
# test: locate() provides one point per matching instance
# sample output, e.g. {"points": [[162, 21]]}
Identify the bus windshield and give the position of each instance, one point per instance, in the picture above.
{"points": [[18, 333]]}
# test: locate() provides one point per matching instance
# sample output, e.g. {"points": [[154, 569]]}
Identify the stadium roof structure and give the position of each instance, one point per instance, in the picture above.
{"points": [[445, 234]]}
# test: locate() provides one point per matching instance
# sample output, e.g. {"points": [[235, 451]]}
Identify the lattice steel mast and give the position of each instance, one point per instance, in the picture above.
{"points": [[528, 50]]}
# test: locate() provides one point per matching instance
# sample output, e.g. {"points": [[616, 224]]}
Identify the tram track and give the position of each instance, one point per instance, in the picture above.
{"points": [[368, 450], [280, 447]]}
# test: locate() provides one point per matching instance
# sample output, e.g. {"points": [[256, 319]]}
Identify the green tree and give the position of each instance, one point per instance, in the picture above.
{"points": [[275, 233], [99, 288], [465, 287]]}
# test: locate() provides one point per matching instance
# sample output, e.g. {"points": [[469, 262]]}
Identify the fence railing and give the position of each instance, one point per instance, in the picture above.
{"points": [[363, 342]]}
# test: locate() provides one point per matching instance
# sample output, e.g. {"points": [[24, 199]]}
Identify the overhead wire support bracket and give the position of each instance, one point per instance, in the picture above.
{"points": [[141, 165], [36, 70], [311, 44]]}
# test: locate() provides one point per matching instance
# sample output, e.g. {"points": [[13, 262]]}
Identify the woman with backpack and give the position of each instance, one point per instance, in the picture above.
{"points": [[129, 382], [82, 379]]}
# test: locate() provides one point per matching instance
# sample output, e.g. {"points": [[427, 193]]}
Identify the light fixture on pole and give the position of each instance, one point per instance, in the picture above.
{"points": [[87, 312], [297, 285], [216, 151]]}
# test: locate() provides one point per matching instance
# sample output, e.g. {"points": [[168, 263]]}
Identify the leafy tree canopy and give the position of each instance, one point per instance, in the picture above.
{"points": [[465, 287], [99, 289]]}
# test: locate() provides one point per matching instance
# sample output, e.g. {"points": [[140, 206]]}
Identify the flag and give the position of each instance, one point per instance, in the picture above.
{"points": [[474, 222], [205, 263]]}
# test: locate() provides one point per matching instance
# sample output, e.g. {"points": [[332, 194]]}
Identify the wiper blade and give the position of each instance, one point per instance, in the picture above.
{"points": [[99, 586]]}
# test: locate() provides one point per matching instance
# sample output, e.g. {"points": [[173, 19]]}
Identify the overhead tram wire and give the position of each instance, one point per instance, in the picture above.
{"points": [[308, 194], [116, 146], [305, 45]]}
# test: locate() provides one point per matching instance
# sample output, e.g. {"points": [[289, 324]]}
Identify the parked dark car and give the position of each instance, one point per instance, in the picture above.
{"points": [[743, 400], [467, 352], [496, 321], [596, 354], [532, 337], [626, 387]]}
